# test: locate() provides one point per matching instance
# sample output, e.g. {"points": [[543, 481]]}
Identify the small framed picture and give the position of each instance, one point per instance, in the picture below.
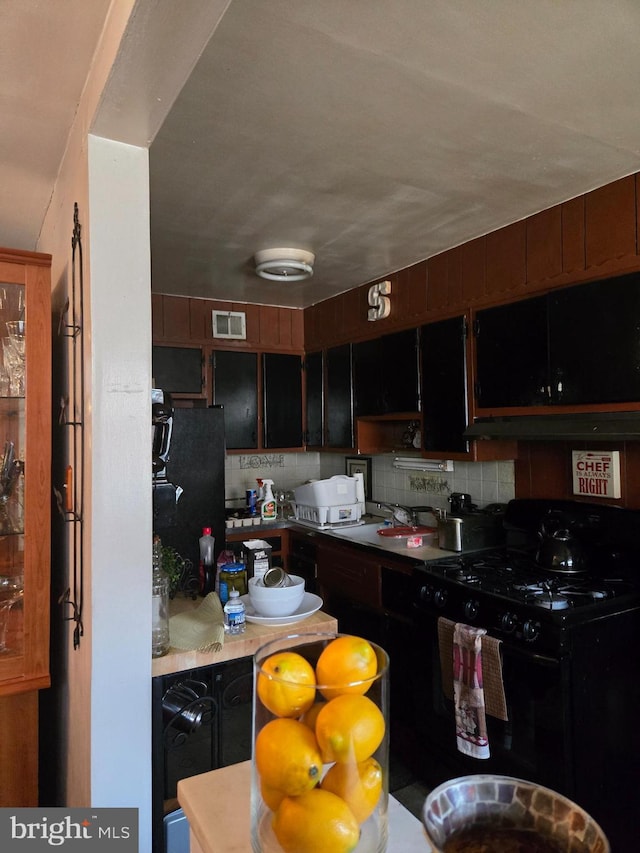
{"points": [[360, 465]]}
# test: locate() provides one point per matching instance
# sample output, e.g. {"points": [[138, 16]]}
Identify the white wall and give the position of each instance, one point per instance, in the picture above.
{"points": [[121, 522], [486, 482]]}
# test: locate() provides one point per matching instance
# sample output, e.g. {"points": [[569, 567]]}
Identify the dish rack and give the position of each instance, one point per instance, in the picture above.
{"points": [[328, 514]]}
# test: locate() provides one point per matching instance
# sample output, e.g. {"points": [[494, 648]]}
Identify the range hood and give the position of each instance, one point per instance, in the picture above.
{"points": [[604, 426]]}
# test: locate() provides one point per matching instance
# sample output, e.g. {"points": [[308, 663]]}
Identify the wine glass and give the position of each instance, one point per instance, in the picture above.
{"points": [[16, 330], [11, 591], [14, 363]]}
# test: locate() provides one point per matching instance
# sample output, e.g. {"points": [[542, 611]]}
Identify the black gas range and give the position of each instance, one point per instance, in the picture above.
{"points": [[508, 592], [570, 652]]}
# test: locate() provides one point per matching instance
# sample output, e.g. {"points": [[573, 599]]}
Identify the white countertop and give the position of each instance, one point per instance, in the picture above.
{"points": [[221, 798], [365, 535]]}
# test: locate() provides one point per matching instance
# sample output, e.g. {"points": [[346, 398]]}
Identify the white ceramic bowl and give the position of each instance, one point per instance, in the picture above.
{"points": [[279, 600]]}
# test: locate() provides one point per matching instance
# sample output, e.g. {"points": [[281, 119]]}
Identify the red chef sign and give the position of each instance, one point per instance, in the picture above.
{"points": [[596, 473]]}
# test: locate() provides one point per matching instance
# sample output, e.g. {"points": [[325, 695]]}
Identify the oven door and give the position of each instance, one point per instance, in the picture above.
{"points": [[535, 742]]}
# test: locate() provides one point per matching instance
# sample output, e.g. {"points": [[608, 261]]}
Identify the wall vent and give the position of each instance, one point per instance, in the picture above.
{"points": [[229, 324]]}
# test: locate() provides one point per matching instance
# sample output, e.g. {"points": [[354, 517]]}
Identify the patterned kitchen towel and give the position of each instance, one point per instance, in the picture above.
{"points": [[494, 697], [471, 723], [201, 629]]}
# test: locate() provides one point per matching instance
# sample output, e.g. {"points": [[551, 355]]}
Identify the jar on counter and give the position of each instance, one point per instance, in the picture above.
{"points": [[160, 604], [232, 576]]}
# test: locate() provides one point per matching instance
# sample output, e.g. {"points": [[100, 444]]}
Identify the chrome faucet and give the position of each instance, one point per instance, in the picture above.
{"points": [[406, 516], [403, 516]]}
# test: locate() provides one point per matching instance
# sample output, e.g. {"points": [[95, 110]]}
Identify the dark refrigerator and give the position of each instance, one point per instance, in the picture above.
{"points": [[188, 494]]}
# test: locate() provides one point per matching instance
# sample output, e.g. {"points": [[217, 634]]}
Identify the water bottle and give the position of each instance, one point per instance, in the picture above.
{"points": [[234, 613]]}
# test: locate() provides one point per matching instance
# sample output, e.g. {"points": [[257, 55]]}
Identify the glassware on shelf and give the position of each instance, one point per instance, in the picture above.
{"points": [[13, 355], [11, 592], [16, 330], [11, 497]]}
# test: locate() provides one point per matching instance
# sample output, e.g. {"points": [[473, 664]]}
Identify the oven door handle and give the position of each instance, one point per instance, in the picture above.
{"points": [[516, 651]]}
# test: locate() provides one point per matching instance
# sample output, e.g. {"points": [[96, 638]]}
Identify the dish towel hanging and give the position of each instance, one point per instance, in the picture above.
{"points": [[468, 690], [494, 696]]}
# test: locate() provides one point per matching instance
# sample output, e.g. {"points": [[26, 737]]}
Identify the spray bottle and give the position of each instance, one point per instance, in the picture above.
{"points": [[268, 509]]}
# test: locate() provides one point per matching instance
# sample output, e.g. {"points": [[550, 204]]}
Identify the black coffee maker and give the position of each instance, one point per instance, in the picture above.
{"points": [[164, 492]]}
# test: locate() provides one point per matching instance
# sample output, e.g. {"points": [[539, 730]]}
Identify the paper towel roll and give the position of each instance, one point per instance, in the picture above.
{"points": [[359, 478]]}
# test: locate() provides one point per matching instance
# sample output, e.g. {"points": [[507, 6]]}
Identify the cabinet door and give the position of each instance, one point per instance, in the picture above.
{"points": [[349, 573], [339, 408], [234, 688], [385, 374], [179, 370], [315, 398], [282, 400], [444, 385], [511, 354], [594, 330], [25, 474], [235, 386]]}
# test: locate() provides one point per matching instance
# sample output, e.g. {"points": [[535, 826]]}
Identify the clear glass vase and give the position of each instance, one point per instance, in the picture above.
{"points": [[320, 758]]}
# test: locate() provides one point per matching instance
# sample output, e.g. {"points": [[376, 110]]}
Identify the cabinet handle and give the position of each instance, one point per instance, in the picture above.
{"points": [[68, 489]]}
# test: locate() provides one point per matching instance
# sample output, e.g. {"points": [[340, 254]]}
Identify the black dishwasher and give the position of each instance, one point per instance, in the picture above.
{"points": [[201, 720]]}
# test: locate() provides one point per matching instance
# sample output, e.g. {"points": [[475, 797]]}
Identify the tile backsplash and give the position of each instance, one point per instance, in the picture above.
{"points": [[486, 482]]}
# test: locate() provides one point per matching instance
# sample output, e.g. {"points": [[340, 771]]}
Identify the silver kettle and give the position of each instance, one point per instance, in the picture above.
{"points": [[560, 551]]}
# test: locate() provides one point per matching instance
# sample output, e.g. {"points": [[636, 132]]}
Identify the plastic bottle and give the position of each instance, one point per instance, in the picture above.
{"points": [[207, 573], [234, 614], [232, 576], [268, 510], [160, 604]]}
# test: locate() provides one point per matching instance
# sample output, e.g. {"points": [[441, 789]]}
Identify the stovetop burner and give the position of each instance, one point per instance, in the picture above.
{"points": [[559, 595], [517, 577]]}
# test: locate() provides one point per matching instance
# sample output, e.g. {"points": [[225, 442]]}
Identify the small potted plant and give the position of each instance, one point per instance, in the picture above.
{"points": [[178, 570]]}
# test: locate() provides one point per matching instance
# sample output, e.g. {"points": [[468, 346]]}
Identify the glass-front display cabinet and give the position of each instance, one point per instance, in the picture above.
{"points": [[25, 470]]}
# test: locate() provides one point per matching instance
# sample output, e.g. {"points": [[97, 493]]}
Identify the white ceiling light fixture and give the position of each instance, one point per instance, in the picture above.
{"points": [[284, 264]]}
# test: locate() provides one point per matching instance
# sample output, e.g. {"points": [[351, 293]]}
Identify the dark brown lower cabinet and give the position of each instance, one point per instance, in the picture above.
{"points": [[371, 597]]}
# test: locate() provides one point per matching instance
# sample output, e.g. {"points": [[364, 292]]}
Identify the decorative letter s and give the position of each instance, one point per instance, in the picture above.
{"points": [[379, 302]]}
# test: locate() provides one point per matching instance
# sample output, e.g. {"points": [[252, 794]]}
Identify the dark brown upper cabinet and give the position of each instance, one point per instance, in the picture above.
{"points": [[444, 386], [314, 363], [282, 401], [180, 370], [512, 354], [339, 399], [576, 346], [385, 374], [235, 387]]}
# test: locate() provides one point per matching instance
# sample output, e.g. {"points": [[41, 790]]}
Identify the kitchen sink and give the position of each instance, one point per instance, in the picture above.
{"points": [[360, 533]]}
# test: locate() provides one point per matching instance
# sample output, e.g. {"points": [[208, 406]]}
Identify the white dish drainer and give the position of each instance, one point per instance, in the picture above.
{"points": [[341, 514]]}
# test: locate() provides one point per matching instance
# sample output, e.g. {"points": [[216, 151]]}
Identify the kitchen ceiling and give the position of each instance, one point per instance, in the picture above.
{"points": [[374, 134]]}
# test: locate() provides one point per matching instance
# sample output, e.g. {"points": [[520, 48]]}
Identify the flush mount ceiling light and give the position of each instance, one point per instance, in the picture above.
{"points": [[284, 264]]}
